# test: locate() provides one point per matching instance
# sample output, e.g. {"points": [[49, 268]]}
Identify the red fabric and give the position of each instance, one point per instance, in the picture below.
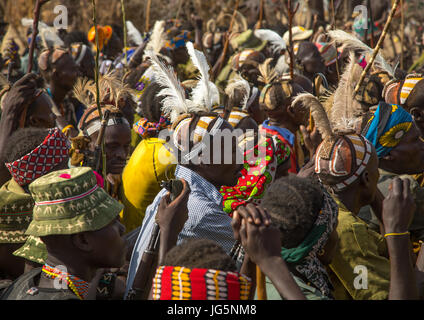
{"points": [[166, 284], [233, 287], [293, 160], [41, 160], [198, 284]]}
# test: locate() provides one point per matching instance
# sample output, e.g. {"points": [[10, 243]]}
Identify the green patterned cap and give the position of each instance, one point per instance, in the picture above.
{"points": [[15, 215], [248, 40], [33, 250], [70, 201]]}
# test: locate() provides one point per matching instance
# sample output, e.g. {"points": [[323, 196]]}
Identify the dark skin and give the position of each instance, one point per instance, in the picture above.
{"points": [[408, 156], [117, 146], [87, 65], [83, 253], [21, 96], [40, 114], [288, 116], [249, 70], [63, 76], [221, 174], [398, 210], [363, 191], [11, 267]]}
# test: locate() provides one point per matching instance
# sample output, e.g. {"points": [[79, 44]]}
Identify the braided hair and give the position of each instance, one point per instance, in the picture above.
{"points": [[294, 210], [200, 253]]}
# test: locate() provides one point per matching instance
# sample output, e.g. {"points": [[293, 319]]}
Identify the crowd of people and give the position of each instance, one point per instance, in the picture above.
{"points": [[117, 182]]}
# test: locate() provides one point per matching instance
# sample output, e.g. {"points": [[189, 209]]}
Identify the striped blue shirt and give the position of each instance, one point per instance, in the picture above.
{"points": [[206, 219]]}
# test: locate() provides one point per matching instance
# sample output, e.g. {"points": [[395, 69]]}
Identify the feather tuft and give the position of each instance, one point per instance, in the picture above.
{"points": [[268, 74], [205, 95], [318, 113], [174, 104], [277, 42], [239, 84]]}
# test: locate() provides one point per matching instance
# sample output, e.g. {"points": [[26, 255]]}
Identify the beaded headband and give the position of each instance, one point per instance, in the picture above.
{"points": [[96, 125], [52, 151], [179, 283], [362, 149]]}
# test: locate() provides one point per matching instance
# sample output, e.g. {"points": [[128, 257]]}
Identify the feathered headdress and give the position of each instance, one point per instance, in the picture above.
{"points": [[268, 74], [272, 37], [346, 111], [175, 103], [133, 34], [349, 41], [205, 94], [111, 90], [157, 38], [238, 84], [318, 113]]}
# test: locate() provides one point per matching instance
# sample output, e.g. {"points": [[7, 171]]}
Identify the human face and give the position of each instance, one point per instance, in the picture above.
{"points": [[108, 245], [40, 113], [66, 72], [225, 174], [408, 156], [117, 146]]}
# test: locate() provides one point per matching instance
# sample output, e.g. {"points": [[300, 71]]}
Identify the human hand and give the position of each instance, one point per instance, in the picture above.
{"points": [[312, 139], [171, 216], [252, 214], [260, 242], [398, 207], [20, 96]]}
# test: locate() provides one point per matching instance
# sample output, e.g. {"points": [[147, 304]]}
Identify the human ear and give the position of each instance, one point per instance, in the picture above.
{"points": [[365, 179], [417, 114], [81, 241]]}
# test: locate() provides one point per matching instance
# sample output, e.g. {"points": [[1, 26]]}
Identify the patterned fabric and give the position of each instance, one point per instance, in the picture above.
{"points": [[69, 202], [11, 52], [206, 219], [75, 284], [407, 88], [347, 160], [33, 250], [328, 52], [181, 136], [179, 283], [309, 265], [179, 40], [287, 137], [259, 170], [358, 28], [146, 78], [52, 151], [145, 128], [15, 213], [387, 127], [236, 116]]}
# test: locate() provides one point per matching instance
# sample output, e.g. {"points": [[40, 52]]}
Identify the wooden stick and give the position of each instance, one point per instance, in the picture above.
{"points": [[37, 8], [333, 25], [291, 13], [402, 37], [180, 4], [227, 41], [378, 46], [261, 13], [96, 79], [147, 25], [372, 25]]}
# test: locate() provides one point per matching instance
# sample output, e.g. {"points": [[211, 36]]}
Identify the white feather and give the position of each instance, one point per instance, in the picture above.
{"points": [[273, 37], [133, 34], [349, 41], [157, 38], [205, 95], [238, 83], [174, 104]]}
